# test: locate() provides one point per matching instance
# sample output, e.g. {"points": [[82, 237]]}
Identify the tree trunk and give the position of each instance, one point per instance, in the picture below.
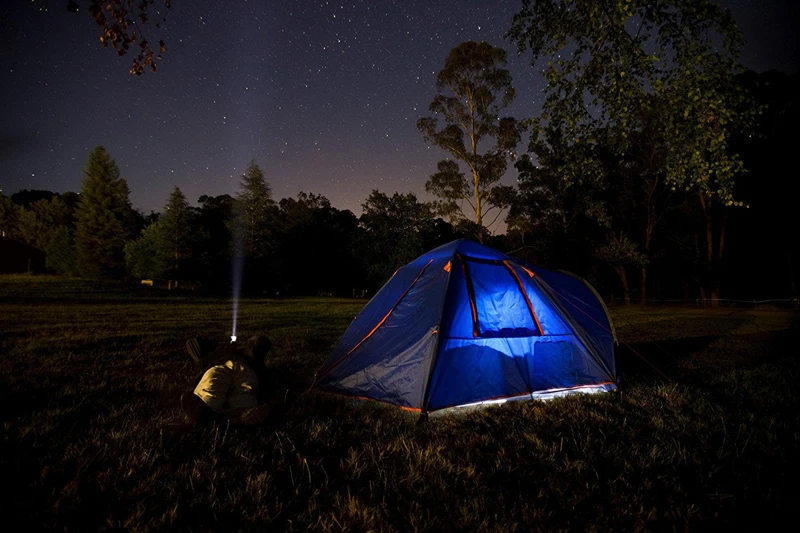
{"points": [[712, 280], [648, 231], [623, 277], [644, 285], [717, 281], [473, 138], [478, 214], [712, 261]]}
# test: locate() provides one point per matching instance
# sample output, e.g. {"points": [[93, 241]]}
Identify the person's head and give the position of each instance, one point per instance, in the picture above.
{"points": [[258, 346]]}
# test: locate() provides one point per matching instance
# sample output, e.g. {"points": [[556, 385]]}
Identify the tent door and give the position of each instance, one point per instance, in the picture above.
{"points": [[500, 307]]}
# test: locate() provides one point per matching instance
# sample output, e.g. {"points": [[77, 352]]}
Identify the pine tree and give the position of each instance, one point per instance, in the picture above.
{"points": [[104, 218], [255, 214], [176, 230]]}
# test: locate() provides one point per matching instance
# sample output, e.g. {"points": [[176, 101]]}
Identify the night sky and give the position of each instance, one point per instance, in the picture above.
{"points": [[323, 95]]}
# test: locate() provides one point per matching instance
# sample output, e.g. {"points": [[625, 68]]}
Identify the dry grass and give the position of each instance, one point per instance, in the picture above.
{"points": [[93, 437]]}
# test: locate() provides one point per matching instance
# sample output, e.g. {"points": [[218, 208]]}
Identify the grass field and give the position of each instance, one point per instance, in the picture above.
{"points": [[93, 437]]}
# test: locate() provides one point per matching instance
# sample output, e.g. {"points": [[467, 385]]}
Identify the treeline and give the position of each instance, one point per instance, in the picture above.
{"points": [[304, 245], [632, 234], [298, 246]]}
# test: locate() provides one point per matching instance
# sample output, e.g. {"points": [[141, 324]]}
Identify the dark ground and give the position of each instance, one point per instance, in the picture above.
{"points": [[93, 437]]}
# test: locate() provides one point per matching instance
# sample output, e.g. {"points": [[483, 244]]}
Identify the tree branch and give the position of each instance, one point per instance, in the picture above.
{"points": [[495, 218]]}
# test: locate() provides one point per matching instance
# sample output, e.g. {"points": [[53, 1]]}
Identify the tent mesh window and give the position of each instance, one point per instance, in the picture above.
{"points": [[497, 311]]}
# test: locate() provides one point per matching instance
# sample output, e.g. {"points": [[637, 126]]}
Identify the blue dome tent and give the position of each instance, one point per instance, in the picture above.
{"points": [[465, 324]]}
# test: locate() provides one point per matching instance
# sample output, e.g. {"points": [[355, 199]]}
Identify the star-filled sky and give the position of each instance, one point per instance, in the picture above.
{"points": [[324, 95]]}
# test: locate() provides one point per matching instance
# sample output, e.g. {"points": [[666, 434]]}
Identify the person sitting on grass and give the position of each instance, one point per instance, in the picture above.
{"points": [[228, 388]]}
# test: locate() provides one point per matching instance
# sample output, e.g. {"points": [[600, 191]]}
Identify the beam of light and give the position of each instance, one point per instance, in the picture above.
{"points": [[237, 270], [238, 264]]}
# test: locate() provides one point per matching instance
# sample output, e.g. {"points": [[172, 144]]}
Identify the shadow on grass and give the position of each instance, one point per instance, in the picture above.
{"points": [[649, 360], [753, 371]]}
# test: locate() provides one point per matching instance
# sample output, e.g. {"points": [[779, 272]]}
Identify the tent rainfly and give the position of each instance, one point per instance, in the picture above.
{"points": [[465, 324]]}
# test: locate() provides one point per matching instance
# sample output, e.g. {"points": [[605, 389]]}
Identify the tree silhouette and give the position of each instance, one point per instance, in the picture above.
{"points": [[9, 217], [146, 257], [472, 90], [617, 69], [104, 218], [176, 230], [393, 230], [255, 214]]}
